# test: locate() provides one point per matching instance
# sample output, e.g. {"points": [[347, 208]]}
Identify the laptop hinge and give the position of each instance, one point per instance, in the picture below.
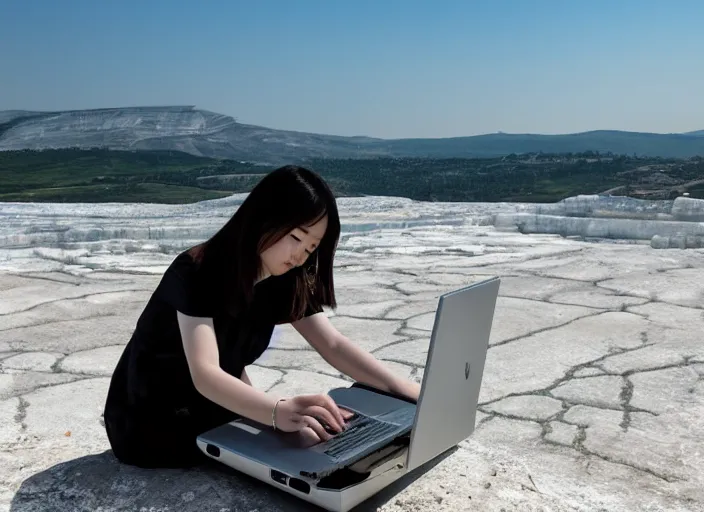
{"points": [[382, 392]]}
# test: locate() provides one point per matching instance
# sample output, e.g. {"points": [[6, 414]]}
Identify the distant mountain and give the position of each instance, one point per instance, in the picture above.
{"points": [[204, 133]]}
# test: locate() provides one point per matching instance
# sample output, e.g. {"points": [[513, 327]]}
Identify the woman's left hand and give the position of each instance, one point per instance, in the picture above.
{"points": [[309, 437]]}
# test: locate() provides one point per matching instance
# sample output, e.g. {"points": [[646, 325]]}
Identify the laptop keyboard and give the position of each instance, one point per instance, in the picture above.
{"points": [[362, 431]]}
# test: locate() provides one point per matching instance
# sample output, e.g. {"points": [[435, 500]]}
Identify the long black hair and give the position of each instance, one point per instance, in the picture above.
{"points": [[286, 198]]}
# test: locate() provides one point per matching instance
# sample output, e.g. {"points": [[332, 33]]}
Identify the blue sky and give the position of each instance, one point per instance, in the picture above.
{"points": [[386, 68]]}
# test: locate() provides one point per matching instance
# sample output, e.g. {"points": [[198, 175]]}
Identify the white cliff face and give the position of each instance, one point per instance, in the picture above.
{"points": [[118, 128], [590, 227], [173, 226], [665, 224], [180, 128], [686, 208], [166, 228], [607, 206]]}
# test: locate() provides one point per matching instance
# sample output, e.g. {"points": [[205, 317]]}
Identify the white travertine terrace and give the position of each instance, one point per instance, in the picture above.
{"points": [[593, 392]]}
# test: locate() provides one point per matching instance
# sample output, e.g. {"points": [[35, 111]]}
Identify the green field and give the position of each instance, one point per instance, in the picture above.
{"points": [[98, 175], [118, 193]]}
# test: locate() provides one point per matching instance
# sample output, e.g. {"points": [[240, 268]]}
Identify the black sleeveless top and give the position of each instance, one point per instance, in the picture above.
{"points": [[152, 385]]}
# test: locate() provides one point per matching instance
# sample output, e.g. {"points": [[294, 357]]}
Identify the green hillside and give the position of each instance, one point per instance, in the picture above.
{"points": [[99, 175]]}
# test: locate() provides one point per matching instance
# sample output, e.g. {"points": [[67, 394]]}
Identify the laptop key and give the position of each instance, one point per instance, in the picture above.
{"points": [[359, 434], [363, 438]]}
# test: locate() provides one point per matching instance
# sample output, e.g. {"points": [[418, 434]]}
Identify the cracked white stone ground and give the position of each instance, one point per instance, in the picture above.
{"points": [[593, 392]]}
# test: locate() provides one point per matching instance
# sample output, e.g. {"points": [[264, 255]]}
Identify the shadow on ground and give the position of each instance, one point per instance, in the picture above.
{"points": [[101, 483]]}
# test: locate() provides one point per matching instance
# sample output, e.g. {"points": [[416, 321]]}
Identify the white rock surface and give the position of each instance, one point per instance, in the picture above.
{"points": [[593, 391]]}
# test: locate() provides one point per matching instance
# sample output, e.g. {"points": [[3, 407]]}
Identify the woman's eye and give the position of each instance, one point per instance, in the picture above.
{"points": [[296, 238]]}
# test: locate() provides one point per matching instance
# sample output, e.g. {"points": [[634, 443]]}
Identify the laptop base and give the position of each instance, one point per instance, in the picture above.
{"points": [[338, 492], [341, 488]]}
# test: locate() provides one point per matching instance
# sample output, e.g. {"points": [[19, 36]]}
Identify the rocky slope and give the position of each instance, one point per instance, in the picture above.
{"points": [[205, 133]]}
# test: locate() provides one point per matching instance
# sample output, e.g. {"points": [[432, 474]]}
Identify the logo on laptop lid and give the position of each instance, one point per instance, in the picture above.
{"points": [[466, 371]]}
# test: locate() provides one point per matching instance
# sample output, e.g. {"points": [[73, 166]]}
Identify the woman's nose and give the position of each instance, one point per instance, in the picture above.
{"points": [[298, 257]]}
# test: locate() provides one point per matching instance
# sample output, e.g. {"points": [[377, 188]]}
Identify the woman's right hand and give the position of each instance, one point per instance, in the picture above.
{"points": [[297, 413]]}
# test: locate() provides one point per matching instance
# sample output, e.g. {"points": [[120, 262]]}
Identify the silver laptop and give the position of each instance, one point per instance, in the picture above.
{"points": [[385, 427]]}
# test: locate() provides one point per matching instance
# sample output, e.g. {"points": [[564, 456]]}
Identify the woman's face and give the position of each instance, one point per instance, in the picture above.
{"points": [[293, 249]]}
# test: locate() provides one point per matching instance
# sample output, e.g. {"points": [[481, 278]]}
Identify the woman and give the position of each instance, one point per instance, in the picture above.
{"points": [[213, 313]]}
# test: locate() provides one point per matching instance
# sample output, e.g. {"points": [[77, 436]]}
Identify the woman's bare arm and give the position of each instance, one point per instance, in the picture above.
{"points": [[237, 395], [350, 359]]}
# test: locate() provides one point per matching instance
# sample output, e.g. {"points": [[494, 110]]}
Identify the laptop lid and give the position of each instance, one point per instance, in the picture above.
{"points": [[447, 405]]}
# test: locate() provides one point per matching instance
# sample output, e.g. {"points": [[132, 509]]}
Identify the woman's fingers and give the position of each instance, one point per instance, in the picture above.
{"points": [[317, 428], [309, 437], [323, 414], [325, 402], [334, 409]]}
